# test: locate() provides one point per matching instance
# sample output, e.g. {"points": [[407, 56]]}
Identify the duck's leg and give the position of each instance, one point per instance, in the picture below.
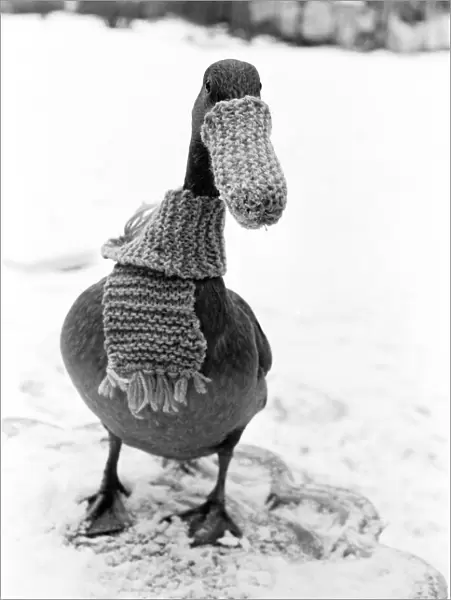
{"points": [[210, 521], [106, 513]]}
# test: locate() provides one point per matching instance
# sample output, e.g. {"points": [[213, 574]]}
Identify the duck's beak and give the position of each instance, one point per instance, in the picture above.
{"points": [[246, 170]]}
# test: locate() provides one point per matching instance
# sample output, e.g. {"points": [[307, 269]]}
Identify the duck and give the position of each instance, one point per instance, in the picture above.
{"points": [[237, 359]]}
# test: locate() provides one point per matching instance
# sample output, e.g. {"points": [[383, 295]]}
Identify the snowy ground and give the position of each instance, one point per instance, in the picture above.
{"points": [[352, 286]]}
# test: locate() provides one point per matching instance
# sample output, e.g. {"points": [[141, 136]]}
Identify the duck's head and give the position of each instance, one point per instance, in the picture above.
{"points": [[224, 80], [230, 153]]}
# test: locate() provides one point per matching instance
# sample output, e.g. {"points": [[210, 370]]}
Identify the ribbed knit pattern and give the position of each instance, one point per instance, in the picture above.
{"points": [[152, 334], [246, 170], [184, 237]]}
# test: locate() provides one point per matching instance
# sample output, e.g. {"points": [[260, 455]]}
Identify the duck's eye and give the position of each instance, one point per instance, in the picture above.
{"points": [[208, 86], [260, 87]]}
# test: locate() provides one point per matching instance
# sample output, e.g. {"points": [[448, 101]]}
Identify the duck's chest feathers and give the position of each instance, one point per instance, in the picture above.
{"points": [[236, 392], [197, 429]]}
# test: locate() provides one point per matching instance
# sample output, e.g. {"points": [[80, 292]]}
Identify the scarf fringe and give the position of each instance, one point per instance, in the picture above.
{"points": [[160, 392]]}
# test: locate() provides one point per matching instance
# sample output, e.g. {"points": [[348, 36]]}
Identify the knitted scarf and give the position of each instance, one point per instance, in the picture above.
{"points": [[153, 340]]}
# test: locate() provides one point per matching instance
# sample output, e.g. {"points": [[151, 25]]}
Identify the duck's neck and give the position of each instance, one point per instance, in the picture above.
{"points": [[199, 177], [211, 297]]}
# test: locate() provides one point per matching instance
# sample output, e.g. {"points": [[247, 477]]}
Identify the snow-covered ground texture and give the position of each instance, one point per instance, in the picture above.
{"points": [[351, 287]]}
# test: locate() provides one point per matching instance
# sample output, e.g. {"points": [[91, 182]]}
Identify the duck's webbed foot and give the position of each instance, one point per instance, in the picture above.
{"points": [[106, 513], [209, 522]]}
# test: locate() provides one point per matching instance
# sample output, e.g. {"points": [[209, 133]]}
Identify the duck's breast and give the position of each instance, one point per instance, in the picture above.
{"points": [[236, 393]]}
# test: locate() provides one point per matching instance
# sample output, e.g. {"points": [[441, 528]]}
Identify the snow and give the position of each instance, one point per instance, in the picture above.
{"points": [[351, 287]]}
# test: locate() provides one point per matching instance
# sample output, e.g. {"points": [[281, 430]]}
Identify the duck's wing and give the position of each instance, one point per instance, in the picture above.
{"points": [[232, 331], [263, 347]]}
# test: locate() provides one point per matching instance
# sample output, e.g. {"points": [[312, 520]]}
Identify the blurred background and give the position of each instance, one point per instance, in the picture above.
{"points": [[351, 286], [398, 25]]}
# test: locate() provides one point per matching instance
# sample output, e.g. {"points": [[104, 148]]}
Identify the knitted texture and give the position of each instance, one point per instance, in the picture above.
{"points": [[183, 237], [152, 334], [246, 170]]}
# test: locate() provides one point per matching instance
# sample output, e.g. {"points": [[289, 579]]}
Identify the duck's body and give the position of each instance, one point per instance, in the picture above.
{"points": [[238, 355], [238, 359]]}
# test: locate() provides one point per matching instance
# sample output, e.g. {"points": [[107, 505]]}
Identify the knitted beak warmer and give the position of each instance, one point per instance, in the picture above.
{"points": [[153, 340], [246, 170]]}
